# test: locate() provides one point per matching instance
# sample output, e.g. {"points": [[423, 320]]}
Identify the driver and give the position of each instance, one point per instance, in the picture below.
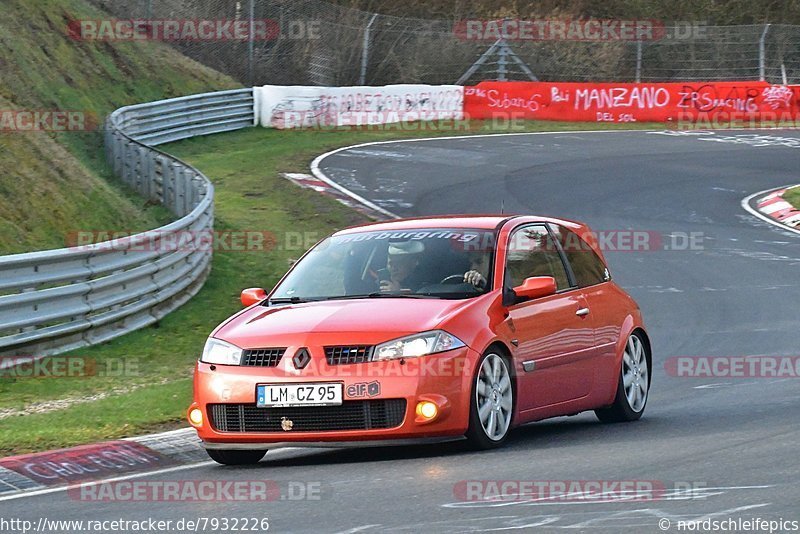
{"points": [[401, 267]]}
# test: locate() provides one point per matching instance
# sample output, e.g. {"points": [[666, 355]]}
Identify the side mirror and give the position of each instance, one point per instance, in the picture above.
{"points": [[254, 295], [536, 287]]}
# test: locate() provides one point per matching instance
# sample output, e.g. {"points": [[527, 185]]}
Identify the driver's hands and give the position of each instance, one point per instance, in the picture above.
{"points": [[475, 278], [388, 286]]}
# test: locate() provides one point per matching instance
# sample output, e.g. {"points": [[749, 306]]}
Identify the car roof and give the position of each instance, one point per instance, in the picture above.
{"points": [[480, 222]]}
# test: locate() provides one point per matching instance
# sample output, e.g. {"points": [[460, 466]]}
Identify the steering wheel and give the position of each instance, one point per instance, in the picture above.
{"points": [[453, 279]]}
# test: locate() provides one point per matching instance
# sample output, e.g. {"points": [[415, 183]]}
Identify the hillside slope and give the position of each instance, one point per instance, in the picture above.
{"points": [[729, 12], [54, 183]]}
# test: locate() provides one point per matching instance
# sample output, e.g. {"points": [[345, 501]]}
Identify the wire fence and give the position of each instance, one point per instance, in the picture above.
{"points": [[318, 43]]}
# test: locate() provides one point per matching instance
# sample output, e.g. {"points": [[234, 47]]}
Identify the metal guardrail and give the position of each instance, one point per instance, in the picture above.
{"points": [[57, 300]]}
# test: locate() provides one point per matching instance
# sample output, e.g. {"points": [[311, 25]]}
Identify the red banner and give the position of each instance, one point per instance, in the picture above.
{"points": [[714, 102]]}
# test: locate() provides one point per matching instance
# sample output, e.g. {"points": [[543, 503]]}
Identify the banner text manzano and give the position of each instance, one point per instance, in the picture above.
{"points": [[628, 102]]}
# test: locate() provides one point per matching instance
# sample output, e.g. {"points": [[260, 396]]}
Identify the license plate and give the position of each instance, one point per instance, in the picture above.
{"points": [[312, 394]]}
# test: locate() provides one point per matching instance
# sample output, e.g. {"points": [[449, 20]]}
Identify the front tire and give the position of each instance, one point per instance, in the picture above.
{"points": [[492, 403], [236, 457], [633, 386]]}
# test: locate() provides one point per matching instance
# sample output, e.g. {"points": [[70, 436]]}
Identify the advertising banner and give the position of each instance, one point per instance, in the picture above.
{"points": [[308, 107], [632, 102]]}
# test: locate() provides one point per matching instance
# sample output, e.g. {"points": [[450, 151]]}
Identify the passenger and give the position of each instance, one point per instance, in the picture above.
{"points": [[401, 267]]}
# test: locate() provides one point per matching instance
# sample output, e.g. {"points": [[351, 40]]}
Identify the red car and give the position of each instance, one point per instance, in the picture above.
{"points": [[424, 329]]}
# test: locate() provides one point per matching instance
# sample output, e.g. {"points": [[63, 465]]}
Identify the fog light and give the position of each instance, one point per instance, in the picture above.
{"points": [[196, 417], [427, 409]]}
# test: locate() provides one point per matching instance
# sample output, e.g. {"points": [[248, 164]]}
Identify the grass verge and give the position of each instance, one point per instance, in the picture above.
{"points": [[148, 385], [54, 182], [792, 196]]}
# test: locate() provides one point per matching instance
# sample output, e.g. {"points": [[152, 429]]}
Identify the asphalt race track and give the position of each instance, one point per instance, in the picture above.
{"points": [[722, 448]]}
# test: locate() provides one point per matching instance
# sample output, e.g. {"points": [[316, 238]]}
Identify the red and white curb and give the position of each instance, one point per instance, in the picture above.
{"points": [[340, 194], [779, 209], [771, 207], [39, 472]]}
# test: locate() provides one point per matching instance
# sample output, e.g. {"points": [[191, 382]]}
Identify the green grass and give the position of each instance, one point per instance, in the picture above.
{"points": [[110, 418], [251, 196], [52, 184], [792, 196]]}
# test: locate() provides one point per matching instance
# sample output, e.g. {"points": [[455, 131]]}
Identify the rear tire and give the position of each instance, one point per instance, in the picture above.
{"points": [[236, 457], [633, 386], [491, 404]]}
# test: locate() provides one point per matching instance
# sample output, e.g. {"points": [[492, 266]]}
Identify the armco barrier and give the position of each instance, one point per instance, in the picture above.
{"points": [[56, 300]]}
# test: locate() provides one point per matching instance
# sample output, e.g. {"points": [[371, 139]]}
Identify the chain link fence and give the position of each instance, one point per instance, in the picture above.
{"points": [[318, 43]]}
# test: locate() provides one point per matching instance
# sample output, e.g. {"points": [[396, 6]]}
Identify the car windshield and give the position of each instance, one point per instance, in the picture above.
{"points": [[452, 263]]}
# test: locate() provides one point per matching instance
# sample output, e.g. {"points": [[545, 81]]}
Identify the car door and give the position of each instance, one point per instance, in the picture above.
{"points": [[591, 275], [553, 334]]}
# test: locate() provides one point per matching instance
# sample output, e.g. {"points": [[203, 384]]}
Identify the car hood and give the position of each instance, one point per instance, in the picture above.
{"points": [[360, 321]]}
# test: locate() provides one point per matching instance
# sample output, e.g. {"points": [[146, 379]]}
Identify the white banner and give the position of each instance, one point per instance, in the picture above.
{"points": [[279, 106]]}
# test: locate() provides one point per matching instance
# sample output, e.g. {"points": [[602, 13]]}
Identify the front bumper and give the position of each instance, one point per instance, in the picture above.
{"points": [[330, 444], [444, 379]]}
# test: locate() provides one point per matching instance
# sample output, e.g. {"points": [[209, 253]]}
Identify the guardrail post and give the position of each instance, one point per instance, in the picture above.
{"points": [[85, 335], [147, 172], [141, 170], [115, 153], [188, 199], [158, 178], [168, 185], [127, 171], [180, 190]]}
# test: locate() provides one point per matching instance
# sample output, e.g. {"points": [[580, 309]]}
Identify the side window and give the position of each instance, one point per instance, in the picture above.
{"points": [[532, 252], [586, 265]]}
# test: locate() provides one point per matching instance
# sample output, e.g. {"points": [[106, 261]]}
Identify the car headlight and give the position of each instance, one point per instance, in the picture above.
{"points": [[221, 352], [417, 345]]}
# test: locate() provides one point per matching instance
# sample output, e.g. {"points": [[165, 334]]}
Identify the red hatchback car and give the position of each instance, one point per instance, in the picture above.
{"points": [[435, 328]]}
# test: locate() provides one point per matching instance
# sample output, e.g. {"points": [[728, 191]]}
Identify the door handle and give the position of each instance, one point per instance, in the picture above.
{"points": [[582, 312]]}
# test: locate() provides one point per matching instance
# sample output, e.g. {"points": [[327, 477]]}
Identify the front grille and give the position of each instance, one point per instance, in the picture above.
{"points": [[348, 354], [351, 415], [263, 357]]}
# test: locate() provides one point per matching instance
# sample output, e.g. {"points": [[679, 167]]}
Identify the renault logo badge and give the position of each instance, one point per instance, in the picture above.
{"points": [[301, 358]]}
